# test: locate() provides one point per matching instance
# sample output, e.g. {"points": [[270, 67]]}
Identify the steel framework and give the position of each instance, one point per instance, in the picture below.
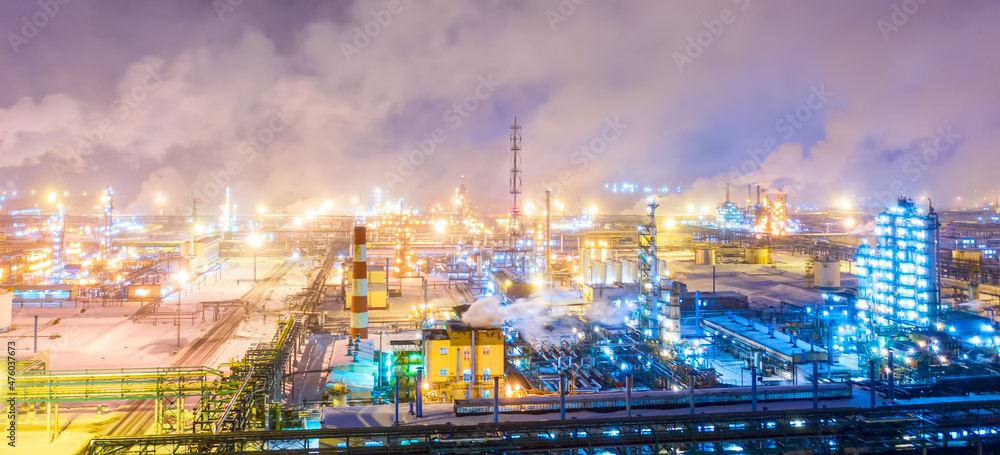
{"points": [[954, 427]]}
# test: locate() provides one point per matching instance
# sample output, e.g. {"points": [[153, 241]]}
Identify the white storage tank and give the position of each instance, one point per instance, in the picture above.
{"points": [[628, 271], [827, 273], [704, 256], [600, 272], [585, 265], [615, 272]]}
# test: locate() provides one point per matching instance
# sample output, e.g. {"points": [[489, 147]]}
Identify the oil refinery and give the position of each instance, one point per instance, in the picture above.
{"points": [[370, 227], [290, 327]]}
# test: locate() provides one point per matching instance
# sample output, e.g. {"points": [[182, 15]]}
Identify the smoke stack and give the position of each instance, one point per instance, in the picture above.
{"points": [[758, 194], [359, 294], [727, 192]]}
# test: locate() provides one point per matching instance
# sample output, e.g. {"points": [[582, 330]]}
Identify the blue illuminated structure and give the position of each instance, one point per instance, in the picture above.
{"points": [[897, 277]]}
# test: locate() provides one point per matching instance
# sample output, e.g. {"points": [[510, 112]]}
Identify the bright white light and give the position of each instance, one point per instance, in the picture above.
{"points": [[439, 226], [255, 240], [670, 223], [850, 222], [51, 197], [529, 208], [182, 276], [261, 209]]}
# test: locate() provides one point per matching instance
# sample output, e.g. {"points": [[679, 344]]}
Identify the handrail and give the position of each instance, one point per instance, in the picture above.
{"points": [[232, 402]]}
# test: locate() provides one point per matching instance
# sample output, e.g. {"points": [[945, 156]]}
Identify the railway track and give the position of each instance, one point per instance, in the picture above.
{"points": [[203, 350]]}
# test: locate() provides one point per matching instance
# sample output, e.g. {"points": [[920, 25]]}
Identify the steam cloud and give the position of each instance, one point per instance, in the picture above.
{"points": [[354, 120]]}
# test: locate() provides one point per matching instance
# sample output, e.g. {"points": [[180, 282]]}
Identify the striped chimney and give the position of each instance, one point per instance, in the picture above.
{"points": [[359, 294]]}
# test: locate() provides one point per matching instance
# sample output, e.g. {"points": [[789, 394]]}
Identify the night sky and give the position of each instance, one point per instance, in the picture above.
{"points": [[294, 103]]}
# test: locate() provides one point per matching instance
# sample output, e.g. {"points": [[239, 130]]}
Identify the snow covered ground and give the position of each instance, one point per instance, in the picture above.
{"points": [[104, 337]]}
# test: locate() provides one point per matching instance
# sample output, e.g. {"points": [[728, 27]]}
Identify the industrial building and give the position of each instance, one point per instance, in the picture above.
{"points": [[462, 361], [898, 284]]}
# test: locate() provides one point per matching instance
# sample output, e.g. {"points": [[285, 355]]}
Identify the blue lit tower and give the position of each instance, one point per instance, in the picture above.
{"points": [[649, 313], [897, 275], [729, 216]]}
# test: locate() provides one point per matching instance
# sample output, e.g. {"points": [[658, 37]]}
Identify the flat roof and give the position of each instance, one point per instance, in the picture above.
{"points": [[756, 335]]}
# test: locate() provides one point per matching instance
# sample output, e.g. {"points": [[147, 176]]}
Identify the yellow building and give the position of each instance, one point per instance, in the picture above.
{"points": [[460, 361], [377, 290]]}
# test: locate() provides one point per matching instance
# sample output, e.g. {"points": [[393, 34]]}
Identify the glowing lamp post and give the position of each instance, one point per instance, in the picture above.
{"points": [[182, 277], [254, 241]]}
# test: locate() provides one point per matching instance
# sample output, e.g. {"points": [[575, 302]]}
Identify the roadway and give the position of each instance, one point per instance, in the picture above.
{"points": [[202, 351]]}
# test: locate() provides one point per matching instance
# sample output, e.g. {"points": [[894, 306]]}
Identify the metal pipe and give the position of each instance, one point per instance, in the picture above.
{"points": [[753, 388], [871, 380], [892, 377], [829, 345], [562, 396], [395, 390], [36, 334], [691, 388], [697, 313], [418, 389], [815, 385], [628, 395], [472, 358], [496, 399], [548, 237]]}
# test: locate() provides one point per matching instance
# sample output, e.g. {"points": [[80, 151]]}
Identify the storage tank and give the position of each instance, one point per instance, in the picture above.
{"points": [[585, 265], [827, 273], [614, 272], [661, 268], [704, 256], [600, 272], [628, 271], [758, 255]]}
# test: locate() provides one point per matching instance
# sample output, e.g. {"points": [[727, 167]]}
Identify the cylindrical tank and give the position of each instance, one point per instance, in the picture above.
{"points": [[585, 265], [827, 273], [661, 268], [615, 275], [600, 269], [758, 255], [704, 256], [627, 273]]}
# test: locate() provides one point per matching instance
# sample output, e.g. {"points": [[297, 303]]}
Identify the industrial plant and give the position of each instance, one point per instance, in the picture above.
{"points": [[290, 328], [556, 227]]}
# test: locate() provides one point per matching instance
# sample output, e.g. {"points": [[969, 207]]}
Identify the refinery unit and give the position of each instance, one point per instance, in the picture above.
{"points": [[447, 311]]}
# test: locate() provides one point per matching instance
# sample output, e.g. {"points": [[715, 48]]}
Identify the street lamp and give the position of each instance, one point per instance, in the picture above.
{"points": [[254, 241], [182, 278]]}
